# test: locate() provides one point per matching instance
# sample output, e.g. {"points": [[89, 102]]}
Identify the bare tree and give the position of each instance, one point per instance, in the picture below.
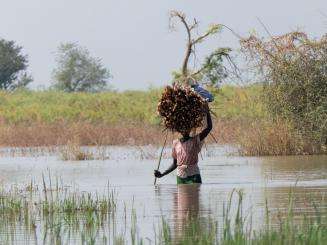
{"points": [[193, 38]]}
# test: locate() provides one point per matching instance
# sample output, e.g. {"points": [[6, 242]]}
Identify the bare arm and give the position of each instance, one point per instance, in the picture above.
{"points": [[172, 167], [207, 130]]}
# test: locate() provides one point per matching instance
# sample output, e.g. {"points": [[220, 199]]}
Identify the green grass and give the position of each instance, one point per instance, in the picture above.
{"points": [[115, 107], [239, 103], [50, 106]]}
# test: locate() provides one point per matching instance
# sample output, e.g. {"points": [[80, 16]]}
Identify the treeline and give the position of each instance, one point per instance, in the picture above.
{"points": [[76, 69]]}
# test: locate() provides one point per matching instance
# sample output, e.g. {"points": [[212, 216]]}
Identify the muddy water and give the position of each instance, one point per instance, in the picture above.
{"points": [[131, 176]]}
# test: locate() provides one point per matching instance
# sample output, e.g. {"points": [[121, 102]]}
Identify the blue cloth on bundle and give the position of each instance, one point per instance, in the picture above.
{"points": [[203, 92]]}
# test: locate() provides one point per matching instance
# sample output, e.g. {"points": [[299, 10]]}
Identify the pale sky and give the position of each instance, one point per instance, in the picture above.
{"points": [[132, 36]]}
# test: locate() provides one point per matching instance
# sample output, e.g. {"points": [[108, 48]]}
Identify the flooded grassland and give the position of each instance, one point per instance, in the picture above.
{"points": [[45, 200]]}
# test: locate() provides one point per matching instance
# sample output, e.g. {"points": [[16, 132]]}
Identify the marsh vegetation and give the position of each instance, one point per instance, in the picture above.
{"points": [[55, 214]]}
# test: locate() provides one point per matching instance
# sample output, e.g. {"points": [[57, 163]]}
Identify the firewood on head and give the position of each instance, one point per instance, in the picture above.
{"points": [[182, 109]]}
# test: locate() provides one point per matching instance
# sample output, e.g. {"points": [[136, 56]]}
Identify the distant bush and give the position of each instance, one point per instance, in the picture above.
{"points": [[78, 71], [295, 72]]}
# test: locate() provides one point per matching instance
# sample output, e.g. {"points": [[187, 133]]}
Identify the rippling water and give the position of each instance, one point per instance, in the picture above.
{"points": [[131, 176]]}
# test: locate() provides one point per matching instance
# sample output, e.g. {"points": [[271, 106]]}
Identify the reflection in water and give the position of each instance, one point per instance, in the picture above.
{"points": [[306, 170], [186, 207]]}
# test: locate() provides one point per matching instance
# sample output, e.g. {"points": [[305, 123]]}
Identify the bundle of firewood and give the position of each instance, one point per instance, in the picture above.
{"points": [[182, 109]]}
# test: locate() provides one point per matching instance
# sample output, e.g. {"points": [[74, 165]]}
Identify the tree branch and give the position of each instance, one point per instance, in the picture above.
{"points": [[189, 45], [198, 71], [213, 29], [200, 38], [182, 18]]}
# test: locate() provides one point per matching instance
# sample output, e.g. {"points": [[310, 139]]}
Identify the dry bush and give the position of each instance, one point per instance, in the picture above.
{"points": [[87, 134], [294, 67], [266, 138]]}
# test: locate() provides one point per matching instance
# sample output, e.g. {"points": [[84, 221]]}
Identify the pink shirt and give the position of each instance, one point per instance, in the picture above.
{"points": [[186, 154]]}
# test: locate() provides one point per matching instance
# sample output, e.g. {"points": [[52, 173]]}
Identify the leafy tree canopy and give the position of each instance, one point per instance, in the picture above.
{"points": [[12, 66], [78, 71]]}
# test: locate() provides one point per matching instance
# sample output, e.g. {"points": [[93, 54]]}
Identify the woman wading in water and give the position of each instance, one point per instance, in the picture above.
{"points": [[185, 154]]}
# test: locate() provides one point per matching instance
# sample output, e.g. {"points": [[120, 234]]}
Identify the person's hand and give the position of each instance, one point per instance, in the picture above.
{"points": [[157, 174]]}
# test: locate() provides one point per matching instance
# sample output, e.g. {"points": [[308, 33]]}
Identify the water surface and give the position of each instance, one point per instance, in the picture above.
{"points": [[131, 176]]}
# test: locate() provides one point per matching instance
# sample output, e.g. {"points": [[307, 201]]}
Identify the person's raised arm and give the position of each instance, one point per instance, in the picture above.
{"points": [[172, 167], [207, 130]]}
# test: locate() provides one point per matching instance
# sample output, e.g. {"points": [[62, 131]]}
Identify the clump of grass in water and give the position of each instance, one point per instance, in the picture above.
{"points": [[74, 152], [60, 213]]}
